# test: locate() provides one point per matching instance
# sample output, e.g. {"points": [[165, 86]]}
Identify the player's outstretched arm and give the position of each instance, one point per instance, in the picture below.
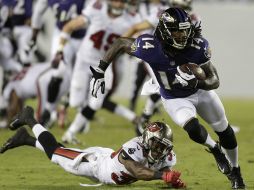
{"points": [[120, 46], [136, 28], [212, 81], [141, 172], [71, 26]]}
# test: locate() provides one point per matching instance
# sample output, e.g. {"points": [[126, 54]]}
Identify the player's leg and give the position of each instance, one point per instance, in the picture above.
{"points": [[45, 138], [79, 88], [151, 104], [141, 74], [211, 109], [183, 113], [120, 110], [83, 118]]}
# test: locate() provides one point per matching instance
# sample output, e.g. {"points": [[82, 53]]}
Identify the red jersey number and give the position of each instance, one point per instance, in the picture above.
{"points": [[97, 39], [122, 179]]}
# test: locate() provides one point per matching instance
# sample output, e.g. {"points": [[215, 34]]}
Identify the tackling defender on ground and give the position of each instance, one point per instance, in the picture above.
{"points": [[148, 157]]}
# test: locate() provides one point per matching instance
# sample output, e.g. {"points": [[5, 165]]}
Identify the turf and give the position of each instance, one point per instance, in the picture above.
{"points": [[26, 168]]}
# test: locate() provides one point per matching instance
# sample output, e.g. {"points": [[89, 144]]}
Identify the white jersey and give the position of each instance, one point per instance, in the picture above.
{"points": [[24, 83], [153, 12], [103, 164], [102, 30]]}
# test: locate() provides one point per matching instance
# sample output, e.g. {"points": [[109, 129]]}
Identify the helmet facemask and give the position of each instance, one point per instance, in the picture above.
{"points": [[176, 33], [158, 149], [158, 141]]}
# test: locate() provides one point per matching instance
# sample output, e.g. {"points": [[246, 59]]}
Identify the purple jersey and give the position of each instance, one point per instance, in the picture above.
{"points": [[149, 49], [22, 10], [65, 10]]}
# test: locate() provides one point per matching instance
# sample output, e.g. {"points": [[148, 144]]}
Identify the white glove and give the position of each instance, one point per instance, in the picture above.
{"points": [[185, 79], [97, 81]]}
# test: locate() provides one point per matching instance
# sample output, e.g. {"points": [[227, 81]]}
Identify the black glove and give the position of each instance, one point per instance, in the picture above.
{"points": [[97, 81]]}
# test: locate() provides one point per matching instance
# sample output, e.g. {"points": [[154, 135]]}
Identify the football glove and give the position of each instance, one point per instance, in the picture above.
{"points": [[171, 176], [178, 184], [188, 81], [97, 81], [57, 59]]}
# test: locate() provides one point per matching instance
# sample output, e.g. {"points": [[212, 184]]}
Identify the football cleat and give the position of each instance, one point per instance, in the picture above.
{"points": [[22, 118], [16, 140], [45, 117], [221, 160], [236, 178]]}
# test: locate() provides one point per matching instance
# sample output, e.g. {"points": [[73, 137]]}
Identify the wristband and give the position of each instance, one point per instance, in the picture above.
{"points": [[158, 175], [103, 65], [65, 35], [60, 47]]}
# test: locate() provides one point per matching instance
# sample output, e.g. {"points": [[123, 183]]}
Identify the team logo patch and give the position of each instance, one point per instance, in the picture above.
{"points": [[208, 52], [134, 46], [131, 150], [154, 127]]}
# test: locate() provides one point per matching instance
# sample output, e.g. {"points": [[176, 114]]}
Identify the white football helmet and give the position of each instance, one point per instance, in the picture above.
{"points": [[157, 141]]}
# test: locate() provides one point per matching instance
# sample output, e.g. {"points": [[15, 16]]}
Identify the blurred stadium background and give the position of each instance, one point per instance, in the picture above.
{"points": [[228, 26]]}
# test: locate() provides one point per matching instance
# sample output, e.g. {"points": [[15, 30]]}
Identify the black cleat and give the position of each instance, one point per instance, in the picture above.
{"points": [[221, 160], [236, 178], [16, 140], [22, 118]]}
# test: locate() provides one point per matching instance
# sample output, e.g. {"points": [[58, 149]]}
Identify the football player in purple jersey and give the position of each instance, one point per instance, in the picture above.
{"points": [[174, 43]]}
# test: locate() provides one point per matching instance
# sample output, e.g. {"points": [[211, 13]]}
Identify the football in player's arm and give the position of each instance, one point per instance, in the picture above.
{"points": [[148, 157]]}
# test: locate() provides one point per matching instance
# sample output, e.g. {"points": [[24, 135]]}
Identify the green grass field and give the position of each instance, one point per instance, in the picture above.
{"points": [[27, 168]]}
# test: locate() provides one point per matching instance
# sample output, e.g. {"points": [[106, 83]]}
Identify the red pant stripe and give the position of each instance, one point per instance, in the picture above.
{"points": [[67, 153]]}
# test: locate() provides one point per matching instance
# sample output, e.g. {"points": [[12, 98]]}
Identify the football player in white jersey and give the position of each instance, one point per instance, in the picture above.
{"points": [[148, 157], [105, 21], [63, 11], [27, 84]]}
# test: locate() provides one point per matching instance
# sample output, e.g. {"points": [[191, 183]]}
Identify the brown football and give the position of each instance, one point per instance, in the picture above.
{"points": [[195, 69]]}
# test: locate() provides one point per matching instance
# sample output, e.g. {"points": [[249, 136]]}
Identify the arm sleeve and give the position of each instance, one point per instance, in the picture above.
{"points": [[39, 9]]}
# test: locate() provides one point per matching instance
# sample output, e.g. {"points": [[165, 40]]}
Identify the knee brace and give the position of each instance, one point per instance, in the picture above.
{"points": [[88, 112], [227, 138], [196, 131], [53, 88]]}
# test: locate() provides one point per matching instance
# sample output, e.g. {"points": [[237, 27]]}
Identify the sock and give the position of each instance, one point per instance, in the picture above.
{"points": [[210, 142], [125, 112], [37, 130], [232, 156], [39, 146], [48, 142], [77, 124], [229, 144]]}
